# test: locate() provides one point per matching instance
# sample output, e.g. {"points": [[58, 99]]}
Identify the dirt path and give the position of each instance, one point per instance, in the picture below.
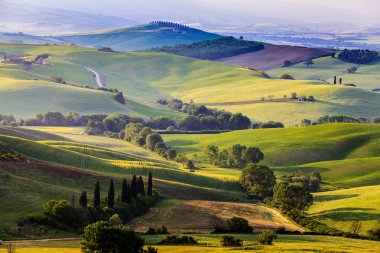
{"points": [[97, 76], [193, 216], [42, 240]]}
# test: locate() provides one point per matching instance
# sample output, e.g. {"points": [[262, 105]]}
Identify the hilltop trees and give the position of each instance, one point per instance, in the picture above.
{"points": [[358, 56], [212, 49], [258, 180]]}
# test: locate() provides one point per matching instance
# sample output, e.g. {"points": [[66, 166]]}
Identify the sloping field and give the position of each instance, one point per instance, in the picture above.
{"points": [[195, 216], [339, 208], [292, 146], [146, 77], [211, 244], [273, 56], [138, 37], [326, 68]]}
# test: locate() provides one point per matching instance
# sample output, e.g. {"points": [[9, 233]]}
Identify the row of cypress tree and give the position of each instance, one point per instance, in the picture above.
{"points": [[128, 192]]}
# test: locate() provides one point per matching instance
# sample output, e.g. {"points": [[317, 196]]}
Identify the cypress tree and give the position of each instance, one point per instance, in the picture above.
{"points": [[334, 80], [111, 195], [97, 195], [140, 186], [83, 199], [134, 189], [150, 185], [129, 194], [124, 189], [340, 80]]}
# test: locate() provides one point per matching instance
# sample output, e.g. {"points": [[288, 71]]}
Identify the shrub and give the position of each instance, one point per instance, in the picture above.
{"points": [[287, 76], [103, 237], [228, 240], [178, 240], [267, 237], [238, 225], [374, 232]]}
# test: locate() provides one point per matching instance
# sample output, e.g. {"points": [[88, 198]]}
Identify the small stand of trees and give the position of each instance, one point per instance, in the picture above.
{"points": [[358, 56], [105, 237], [203, 118], [236, 156]]}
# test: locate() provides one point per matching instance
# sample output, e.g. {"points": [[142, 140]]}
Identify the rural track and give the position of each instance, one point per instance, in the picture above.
{"points": [[42, 240], [97, 76], [249, 102]]}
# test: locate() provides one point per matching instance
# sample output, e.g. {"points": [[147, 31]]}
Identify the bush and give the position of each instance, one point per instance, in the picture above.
{"points": [[287, 76], [238, 225], [228, 240], [103, 237], [374, 233], [267, 237], [178, 240]]}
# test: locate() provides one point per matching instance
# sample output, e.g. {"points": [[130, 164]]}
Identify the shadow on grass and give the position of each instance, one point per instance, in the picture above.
{"points": [[334, 197], [348, 214]]}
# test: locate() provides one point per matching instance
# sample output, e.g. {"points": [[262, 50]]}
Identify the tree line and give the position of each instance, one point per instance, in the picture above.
{"points": [[204, 118], [212, 49], [134, 200], [236, 156], [358, 56], [339, 119]]}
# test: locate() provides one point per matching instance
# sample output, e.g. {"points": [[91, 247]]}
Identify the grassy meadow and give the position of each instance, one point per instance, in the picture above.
{"points": [[326, 68], [210, 243], [146, 77]]}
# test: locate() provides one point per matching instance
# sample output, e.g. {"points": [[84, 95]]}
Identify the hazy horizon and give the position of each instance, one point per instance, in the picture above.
{"points": [[243, 14]]}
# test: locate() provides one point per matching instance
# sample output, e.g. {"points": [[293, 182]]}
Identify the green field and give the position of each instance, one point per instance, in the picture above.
{"points": [[137, 37], [326, 68], [145, 77], [339, 208], [210, 243]]}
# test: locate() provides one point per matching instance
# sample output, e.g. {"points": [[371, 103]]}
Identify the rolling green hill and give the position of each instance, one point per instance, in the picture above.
{"points": [[326, 68], [146, 77], [339, 208], [345, 154], [139, 37]]}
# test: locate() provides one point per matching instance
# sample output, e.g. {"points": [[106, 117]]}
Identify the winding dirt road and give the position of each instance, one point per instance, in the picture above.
{"points": [[97, 76]]}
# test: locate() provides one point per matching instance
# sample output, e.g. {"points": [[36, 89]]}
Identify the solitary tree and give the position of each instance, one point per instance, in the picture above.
{"points": [[111, 195], [104, 237], [83, 199], [334, 80], [309, 62], [97, 195], [134, 189], [258, 180], [150, 185], [340, 80]]}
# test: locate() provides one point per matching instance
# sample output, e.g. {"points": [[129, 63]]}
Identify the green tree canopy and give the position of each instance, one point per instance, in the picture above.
{"points": [[258, 180]]}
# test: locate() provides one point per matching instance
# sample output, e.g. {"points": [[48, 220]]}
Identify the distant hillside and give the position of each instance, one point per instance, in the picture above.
{"points": [[212, 49], [155, 34], [28, 38], [273, 56]]}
